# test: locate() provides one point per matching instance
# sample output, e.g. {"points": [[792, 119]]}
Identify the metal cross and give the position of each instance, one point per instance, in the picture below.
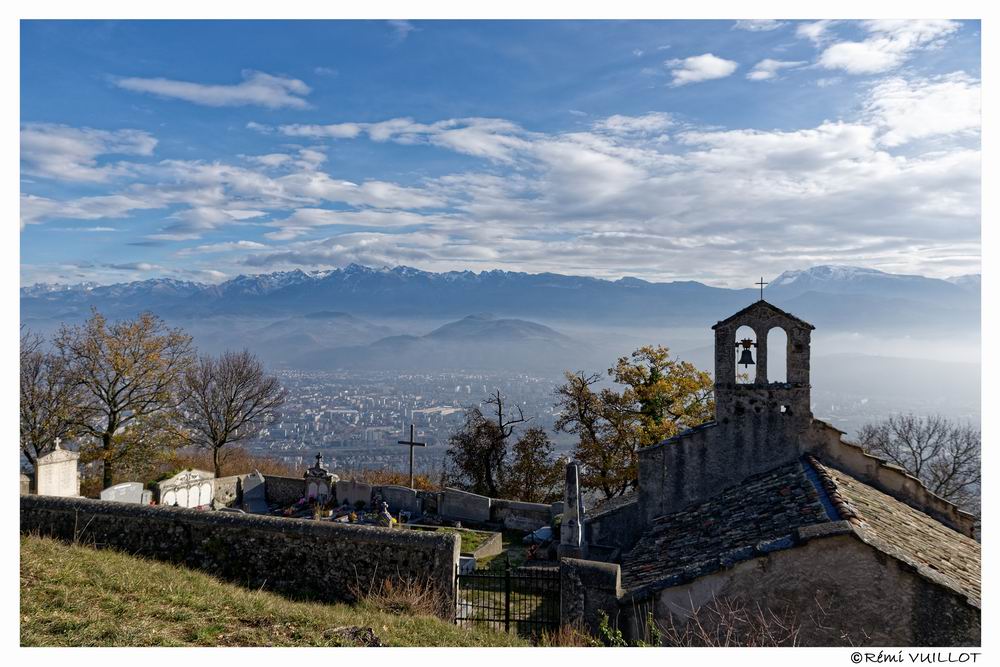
{"points": [[761, 283], [412, 444]]}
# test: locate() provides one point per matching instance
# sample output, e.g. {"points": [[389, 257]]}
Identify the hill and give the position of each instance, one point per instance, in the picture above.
{"points": [[482, 342], [77, 596]]}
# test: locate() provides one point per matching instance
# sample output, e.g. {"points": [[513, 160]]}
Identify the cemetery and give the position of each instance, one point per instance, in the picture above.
{"points": [[766, 502]]}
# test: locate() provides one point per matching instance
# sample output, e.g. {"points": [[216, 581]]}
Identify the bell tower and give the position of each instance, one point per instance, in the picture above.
{"points": [[738, 397]]}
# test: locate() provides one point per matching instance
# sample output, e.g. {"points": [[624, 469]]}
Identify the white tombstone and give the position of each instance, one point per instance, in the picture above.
{"points": [[188, 488], [126, 492], [57, 473]]}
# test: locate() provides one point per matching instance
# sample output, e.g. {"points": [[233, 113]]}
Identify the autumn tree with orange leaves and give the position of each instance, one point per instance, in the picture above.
{"points": [[128, 373]]}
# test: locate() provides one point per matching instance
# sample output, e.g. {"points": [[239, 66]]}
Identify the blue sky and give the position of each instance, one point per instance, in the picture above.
{"points": [[706, 150]]}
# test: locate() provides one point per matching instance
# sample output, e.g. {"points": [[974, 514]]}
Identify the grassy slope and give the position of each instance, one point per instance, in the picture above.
{"points": [[77, 596]]}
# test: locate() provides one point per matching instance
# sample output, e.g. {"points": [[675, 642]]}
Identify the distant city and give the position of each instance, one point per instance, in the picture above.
{"points": [[355, 419]]}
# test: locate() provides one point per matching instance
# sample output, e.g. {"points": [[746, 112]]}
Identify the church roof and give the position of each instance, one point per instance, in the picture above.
{"points": [[893, 527], [759, 515], [763, 304], [786, 506]]}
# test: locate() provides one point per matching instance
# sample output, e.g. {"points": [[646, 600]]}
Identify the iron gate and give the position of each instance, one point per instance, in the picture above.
{"points": [[522, 600]]}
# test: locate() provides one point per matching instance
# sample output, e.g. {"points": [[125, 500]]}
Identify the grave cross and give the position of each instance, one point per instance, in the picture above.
{"points": [[412, 444], [761, 284]]}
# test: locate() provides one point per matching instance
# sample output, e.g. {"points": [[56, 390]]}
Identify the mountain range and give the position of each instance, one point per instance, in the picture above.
{"points": [[841, 297]]}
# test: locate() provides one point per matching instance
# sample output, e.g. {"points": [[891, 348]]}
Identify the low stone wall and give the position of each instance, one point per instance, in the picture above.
{"points": [[303, 558], [283, 490], [456, 505], [518, 515], [620, 528], [586, 589], [228, 491]]}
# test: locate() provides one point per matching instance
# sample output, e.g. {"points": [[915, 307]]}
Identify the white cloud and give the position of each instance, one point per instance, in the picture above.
{"points": [[815, 31], [769, 68], [491, 138], [141, 267], [35, 209], [228, 246], [257, 89], [908, 110], [890, 44], [652, 122], [67, 153], [334, 131], [758, 25], [700, 68], [401, 28]]}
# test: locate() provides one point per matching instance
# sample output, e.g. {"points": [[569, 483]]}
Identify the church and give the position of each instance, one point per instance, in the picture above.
{"points": [[771, 506]]}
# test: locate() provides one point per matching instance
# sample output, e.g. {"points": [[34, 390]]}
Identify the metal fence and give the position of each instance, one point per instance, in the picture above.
{"points": [[523, 600]]}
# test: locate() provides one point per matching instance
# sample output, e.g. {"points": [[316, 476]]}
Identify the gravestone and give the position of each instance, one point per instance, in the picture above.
{"points": [[319, 481], [458, 505], [350, 492], [254, 499], [126, 492], [188, 488], [25, 484], [400, 499], [571, 543], [57, 473]]}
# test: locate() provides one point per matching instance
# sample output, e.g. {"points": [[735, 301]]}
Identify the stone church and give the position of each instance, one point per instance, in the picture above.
{"points": [[769, 505]]}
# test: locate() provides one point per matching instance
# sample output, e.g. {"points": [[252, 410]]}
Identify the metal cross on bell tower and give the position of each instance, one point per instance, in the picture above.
{"points": [[761, 284]]}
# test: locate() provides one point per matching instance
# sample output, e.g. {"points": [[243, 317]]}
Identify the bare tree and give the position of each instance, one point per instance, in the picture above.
{"points": [[50, 400], [507, 424], [128, 374], [945, 456], [227, 400], [478, 452]]}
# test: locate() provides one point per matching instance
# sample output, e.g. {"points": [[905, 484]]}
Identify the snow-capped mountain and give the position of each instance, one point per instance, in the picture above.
{"points": [[834, 279], [837, 296]]}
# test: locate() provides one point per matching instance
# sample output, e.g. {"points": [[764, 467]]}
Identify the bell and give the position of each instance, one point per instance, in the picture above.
{"points": [[746, 358]]}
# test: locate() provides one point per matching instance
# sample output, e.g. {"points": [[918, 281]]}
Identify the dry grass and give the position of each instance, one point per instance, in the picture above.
{"points": [[410, 596], [731, 622], [73, 595], [567, 636]]}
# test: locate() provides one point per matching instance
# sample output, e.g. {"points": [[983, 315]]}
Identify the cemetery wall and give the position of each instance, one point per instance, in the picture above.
{"points": [[586, 589], [519, 515], [227, 490], [311, 559], [284, 490], [620, 527]]}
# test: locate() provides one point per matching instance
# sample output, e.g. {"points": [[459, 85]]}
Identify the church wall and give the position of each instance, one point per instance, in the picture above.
{"points": [[842, 592], [826, 444], [708, 460]]}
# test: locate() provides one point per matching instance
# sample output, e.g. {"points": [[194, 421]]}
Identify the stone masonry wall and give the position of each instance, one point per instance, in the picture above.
{"points": [[284, 490], [310, 559]]}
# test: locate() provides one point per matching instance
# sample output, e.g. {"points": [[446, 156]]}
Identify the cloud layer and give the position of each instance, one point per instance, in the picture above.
{"points": [[257, 89]]}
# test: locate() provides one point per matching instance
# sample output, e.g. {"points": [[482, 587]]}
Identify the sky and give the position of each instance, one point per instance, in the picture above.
{"points": [[666, 150]]}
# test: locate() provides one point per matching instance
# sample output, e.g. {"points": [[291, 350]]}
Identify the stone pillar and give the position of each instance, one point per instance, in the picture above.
{"points": [[571, 543]]}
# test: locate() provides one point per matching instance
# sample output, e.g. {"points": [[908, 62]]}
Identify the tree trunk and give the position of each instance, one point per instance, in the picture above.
{"points": [[108, 468], [215, 462]]}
